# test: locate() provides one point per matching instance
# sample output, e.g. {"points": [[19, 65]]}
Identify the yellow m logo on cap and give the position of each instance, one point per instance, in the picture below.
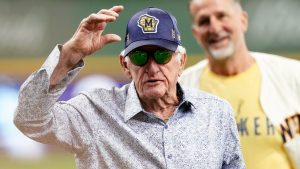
{"points": [[148, 23]]}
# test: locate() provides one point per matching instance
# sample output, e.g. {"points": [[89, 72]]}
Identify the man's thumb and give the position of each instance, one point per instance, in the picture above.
{"points": [[109, 38]]}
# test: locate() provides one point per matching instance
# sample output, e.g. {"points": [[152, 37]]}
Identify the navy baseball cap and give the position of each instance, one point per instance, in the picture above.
{"points": [[152, 26]]}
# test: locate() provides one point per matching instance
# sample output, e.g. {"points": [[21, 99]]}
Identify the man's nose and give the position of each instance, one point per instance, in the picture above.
{"points": [[215, 25], [152, 67]]}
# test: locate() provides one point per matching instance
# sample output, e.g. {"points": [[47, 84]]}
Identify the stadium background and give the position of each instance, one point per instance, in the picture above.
{"points": [[30, 29]]}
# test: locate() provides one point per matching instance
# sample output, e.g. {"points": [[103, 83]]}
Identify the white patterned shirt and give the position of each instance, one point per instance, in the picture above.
{"points": [[110, 129]]}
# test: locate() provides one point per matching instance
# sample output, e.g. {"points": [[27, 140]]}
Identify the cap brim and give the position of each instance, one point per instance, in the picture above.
{"points": [[172, 46]]}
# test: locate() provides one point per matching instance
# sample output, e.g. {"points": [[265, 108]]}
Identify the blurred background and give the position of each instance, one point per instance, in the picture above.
{"points": [[30, 29]]}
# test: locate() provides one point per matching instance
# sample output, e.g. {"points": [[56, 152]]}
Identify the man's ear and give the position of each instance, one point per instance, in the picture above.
{"points": [[124, 65], [195, 35], [182, 63], [244, 20]]}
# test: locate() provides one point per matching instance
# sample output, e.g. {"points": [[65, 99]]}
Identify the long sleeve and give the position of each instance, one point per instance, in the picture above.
{"points": [[39, 115], [233, 158]]}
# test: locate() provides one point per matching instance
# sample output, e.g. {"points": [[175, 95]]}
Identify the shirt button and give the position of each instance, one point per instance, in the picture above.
{"points": [[169, 156], [166, 126]]}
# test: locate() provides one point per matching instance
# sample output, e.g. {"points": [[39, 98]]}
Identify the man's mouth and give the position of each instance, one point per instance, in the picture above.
{"points": [[219, 43], [218, 40], [153, 81]]}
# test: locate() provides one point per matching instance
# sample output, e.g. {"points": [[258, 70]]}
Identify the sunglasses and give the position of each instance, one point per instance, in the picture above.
{"points": [[140, 58]]}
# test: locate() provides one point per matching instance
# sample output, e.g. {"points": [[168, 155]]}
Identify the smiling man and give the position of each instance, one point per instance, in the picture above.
{"points": [[260, 87], [150, 123]]}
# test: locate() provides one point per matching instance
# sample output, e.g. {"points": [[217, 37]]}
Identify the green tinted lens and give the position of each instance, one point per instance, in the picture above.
{"points": [[162, 56], [138, 58]]}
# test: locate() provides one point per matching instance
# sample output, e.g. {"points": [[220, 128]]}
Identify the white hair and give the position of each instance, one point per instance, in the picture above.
{"points": [[127, 59], [179, 52], [180, 49]]}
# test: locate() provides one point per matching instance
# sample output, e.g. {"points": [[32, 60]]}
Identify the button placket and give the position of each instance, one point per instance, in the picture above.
{"points": [[168, 144]]}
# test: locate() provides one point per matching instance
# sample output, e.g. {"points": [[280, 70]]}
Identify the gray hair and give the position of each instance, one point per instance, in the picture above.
{"points": [[179, 52], [237, 2]]}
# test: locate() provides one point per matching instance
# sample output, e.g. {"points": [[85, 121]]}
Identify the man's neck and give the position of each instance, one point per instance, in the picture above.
{"points": [[163, 107], [233, 65]]}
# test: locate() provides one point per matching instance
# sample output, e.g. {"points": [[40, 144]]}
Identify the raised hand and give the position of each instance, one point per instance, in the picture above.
{"points": [[89, 38]]}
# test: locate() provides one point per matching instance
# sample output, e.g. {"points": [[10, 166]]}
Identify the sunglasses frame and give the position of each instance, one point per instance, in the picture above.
{"points": [[157, 57]]}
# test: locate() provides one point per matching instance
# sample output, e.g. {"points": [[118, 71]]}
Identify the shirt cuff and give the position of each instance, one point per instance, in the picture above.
{"points": [[50, 64]]}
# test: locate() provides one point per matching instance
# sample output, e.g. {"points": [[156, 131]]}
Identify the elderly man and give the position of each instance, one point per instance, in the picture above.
{"points": [[262, 88], [150, 123]]}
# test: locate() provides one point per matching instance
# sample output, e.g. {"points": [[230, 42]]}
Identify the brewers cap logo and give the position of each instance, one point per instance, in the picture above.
{"points": [[148, 23]]}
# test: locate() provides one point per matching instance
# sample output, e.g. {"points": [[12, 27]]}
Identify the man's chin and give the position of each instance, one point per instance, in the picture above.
{"points": [[223, 53], [154, 94]]}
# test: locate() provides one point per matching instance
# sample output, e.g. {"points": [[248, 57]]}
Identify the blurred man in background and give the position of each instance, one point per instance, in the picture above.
{"points": [[150, 123], [263, 89]]}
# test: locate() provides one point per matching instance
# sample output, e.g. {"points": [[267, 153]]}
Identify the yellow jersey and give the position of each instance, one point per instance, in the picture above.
{"points": [[262, 145]]}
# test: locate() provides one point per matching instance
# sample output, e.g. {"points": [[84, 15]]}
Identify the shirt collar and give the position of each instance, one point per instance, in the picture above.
{"points": [[133, 105], [186, 99]]}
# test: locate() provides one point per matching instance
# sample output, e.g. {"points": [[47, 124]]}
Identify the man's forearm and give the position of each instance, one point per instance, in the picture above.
{"points": [[36, 95], [67, 62]]}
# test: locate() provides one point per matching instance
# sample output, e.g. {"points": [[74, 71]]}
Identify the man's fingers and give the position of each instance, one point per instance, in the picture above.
{"points": [[104, 15], [96, 18], [108, 12], [117, 8]]}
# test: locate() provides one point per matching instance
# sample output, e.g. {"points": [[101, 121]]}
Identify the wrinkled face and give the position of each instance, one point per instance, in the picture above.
{"points": [[219, 26], [153, 80]]}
